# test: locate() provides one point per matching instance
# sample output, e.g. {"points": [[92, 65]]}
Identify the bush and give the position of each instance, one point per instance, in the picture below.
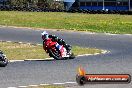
{"points": [[41, 4]]}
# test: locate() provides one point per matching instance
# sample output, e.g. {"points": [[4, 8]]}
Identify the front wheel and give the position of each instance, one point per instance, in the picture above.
{"points": [[4, 63], [72, 56]]}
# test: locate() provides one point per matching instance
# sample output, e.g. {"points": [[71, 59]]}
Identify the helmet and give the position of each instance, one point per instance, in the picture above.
{"points": [[44, 35]]}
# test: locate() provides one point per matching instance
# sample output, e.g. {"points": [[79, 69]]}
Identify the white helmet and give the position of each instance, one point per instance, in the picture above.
{"points": [[44, 35]]}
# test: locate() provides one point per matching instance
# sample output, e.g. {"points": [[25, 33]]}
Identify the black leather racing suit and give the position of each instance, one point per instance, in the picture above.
{"points": [[60, 41]]}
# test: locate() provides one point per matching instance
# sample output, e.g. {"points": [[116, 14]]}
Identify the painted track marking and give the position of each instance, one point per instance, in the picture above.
{"points": [[44, 85]]}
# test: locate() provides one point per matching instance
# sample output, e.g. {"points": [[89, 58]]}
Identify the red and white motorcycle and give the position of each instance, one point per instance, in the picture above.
{"points": [[58, 54]]}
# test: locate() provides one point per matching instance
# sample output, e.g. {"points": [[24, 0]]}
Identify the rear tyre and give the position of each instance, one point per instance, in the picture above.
{"points": [[55, 55]]}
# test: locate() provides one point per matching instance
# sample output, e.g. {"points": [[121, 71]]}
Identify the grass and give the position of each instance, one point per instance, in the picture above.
{"points": [[16, 51], [106, 23]]}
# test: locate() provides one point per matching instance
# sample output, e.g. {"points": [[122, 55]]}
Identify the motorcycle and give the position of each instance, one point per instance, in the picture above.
{"points": [[63, 53], [3, 59]]}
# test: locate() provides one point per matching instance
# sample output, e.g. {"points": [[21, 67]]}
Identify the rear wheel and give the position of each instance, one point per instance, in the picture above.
{"points": [[55, 54]]}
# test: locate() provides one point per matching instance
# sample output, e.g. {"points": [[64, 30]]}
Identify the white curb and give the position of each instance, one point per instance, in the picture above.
{"points": [[22, 86], [33, 85], [44, 84], [58, 83], [16, 60]]}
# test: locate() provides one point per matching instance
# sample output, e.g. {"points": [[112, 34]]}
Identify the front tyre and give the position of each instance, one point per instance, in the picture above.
{"points": [[72, 56]]}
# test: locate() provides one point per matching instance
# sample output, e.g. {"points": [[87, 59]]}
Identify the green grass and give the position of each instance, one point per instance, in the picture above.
{"points": [[106, 23], [16, 51]]}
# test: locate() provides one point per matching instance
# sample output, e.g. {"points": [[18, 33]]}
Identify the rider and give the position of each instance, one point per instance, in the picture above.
{"points": [[59, 41]]}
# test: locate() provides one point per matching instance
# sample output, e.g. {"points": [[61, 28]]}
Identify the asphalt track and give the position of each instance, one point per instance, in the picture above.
{"points": [[119, 60]]}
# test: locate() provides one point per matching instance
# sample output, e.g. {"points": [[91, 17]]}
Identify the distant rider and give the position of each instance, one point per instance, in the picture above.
{"points": [[59, 41]]}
